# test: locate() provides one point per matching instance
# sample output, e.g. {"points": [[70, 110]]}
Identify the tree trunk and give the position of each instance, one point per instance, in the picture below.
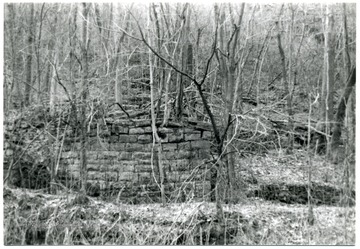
{"points": [[39, 93], [159, 63], [187, 64], [50, 85], [233, 85], [72, 62], [327, 98], [345, 40], [156, 139], [350, 122], [28, 73], [173, 60], [84, 89], [290, 85], [115, 65], [286, 88], [229, 72], [53, 86], [9, 90], [110, 26], [339, 118], [98, 18]]}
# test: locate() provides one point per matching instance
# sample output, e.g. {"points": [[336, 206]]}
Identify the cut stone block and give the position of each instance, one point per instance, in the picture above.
{"points": [[200, 144], [128, 138], [169, 147], [145, 138], [136, 131], [191, 137]]}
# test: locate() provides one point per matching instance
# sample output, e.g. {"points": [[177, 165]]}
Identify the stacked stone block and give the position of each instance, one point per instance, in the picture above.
{"points": [[125, 158]]}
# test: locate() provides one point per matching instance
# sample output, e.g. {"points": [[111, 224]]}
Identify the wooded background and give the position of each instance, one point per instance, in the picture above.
{"points": [[243, 68]]}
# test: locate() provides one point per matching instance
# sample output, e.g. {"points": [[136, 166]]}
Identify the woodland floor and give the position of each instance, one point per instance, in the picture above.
{"points": [[33, 217]]}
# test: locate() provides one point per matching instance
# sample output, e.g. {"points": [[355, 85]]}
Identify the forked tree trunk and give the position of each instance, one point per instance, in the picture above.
{"points": [[228, 67]]}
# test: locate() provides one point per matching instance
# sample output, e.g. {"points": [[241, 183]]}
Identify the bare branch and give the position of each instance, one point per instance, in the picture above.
{"points": [[209, 60], [158, 55], [197, 84], [59, 81]]}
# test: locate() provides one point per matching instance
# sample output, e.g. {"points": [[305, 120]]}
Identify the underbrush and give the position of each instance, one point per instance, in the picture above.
{"points": [[34, 218]]}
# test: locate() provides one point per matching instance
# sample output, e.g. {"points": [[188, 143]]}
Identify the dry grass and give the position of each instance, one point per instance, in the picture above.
{"points": [[32, 218]]}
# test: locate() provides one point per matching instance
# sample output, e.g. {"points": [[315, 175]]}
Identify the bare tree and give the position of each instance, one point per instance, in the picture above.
{"points": [[287, 92], [73, 63], [186, 62], [117, 58], [50, 88], [199, 86], [340, 114], [84, 91], [228, 65], [30, 41], [38, 49], [173, 57], [9, 88], [327, 90], [156, 139], [345, 41]]}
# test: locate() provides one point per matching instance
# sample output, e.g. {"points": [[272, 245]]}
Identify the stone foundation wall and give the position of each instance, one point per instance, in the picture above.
{"points": [[122, 160]]}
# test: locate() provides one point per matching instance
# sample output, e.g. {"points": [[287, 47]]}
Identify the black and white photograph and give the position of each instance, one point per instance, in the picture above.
{"points": [[178, 123]]}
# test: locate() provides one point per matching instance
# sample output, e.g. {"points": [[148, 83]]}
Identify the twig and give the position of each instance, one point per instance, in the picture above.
{"points": [[122, 108]]}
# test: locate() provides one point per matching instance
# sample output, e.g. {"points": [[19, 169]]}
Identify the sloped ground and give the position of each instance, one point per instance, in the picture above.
{"points": [[282, 177], [36, 218], [277, 167]]}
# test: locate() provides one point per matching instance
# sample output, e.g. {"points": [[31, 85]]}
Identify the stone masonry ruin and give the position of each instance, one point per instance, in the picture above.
{"points": [[121, 159]]}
